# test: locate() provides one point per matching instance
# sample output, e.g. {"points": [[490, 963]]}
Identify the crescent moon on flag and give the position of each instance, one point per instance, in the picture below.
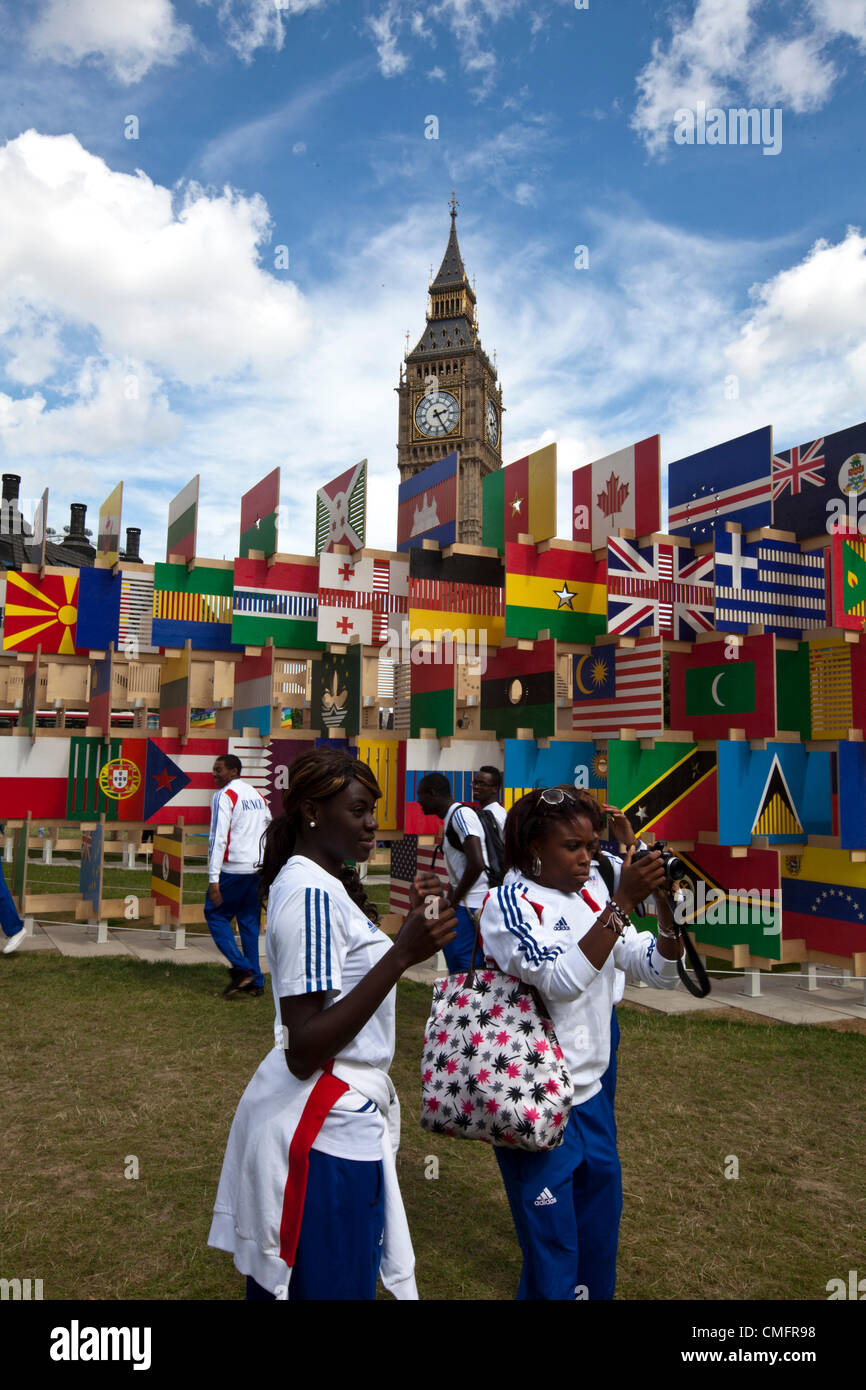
{"points": [[715, 693], [578, 682]]}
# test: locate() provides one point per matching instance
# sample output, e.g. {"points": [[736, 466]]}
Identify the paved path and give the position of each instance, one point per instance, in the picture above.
{"points": [[782, 997]]}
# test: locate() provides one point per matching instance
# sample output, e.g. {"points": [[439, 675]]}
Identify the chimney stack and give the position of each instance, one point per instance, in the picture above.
{"points": [[76, 539], [133, 542], [11, 485]]}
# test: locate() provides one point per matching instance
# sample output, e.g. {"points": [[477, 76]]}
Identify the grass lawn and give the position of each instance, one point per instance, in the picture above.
{"points": [[110, 1057]]}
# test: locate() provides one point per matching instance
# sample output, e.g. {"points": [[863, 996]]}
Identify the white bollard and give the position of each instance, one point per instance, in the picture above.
{"points": [[47, 850], [8, 849], [98, 932], [29, 923], [811, 980], [129, 854]]}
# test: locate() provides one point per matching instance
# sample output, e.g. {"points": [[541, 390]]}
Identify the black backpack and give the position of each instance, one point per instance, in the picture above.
{"points": [[493, 843]]}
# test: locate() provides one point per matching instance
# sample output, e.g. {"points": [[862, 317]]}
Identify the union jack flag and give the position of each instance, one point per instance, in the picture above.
{"points": [[805, 465], [663, 586]]}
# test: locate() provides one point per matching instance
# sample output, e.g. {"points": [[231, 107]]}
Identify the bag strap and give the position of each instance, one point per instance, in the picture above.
{"points": [[470, 974], [700, 986]]}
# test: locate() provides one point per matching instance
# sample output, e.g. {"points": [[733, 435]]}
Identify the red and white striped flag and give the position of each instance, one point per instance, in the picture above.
{"points": [[633, 699]]}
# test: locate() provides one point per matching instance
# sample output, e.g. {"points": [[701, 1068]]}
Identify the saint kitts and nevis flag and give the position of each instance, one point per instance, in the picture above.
{"points": [[712, 693], [520, 499], [561, 589], [341, 510], [668, 792], [183, 522], [280, 601], [259, 510], [621, 490]]}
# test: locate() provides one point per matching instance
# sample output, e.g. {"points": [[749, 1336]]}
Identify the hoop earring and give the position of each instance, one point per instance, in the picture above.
{"points": [[535, 866]]}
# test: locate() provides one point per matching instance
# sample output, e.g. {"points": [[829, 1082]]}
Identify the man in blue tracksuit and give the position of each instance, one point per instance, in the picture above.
{"points": [[239, 817]]}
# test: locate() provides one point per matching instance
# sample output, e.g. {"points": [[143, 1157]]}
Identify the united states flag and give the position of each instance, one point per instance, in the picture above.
{"points": [[638, 699], [665, 586], [407, 859]]}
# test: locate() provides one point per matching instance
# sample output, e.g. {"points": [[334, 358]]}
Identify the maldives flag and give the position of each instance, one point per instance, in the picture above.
{"points": [[623, 489], [520, 499], [41, 612], [711, 694], [561, 589]]}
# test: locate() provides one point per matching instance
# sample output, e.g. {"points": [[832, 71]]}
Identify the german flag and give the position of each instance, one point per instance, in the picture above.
{"points": [[166, 874], [518, 691], [563, 590]]}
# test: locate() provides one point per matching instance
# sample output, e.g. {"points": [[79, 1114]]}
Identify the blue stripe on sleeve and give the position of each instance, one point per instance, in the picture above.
{"points": [[328, 981], [511, 916], [308, 958]]}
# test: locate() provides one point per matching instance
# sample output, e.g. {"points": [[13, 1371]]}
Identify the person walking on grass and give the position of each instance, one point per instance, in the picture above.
{"points": [[10, 921], [308, 1201], [239, 818], [465, 853]]}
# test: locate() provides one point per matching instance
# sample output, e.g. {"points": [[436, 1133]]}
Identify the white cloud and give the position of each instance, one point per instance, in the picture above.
{"points": [[116, 406], [252, 24], [436, 74], [719, 55], [129, 39], [383, 28], [172, 279]]}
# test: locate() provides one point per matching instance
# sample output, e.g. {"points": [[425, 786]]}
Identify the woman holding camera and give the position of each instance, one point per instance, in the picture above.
{"points": [[553, 924], [308, 1201]]}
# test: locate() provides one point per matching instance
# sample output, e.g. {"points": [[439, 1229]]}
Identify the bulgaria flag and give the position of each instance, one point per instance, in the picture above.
{"points": [[562, 589]]}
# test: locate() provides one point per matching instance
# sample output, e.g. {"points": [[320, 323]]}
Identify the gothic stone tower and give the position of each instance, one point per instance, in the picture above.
{"points": [[449, 397]]}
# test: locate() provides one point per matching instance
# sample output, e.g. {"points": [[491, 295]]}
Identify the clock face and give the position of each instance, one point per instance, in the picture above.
{"points": [[437, 414], [492, 424]]}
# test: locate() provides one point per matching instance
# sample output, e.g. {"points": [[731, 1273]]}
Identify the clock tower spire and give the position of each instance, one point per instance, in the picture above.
{"points": [[449, 395]]}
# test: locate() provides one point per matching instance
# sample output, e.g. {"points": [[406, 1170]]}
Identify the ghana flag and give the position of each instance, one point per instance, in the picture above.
{"points": [[166, 877], [259, 509], [518, 691], [561, 589], [41, 612], [520, 499]]}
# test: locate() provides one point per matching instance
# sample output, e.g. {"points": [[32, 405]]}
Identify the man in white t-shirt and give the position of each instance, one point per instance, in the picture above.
{"points": [[239, 817], [465, 861], [486, 790]]}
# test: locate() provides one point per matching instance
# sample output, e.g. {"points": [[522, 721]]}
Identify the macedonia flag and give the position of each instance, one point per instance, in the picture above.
{"points": [[41, 612]]}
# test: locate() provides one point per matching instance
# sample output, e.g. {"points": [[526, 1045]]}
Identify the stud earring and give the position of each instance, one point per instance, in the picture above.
{"points": [[536, 866], [312, 825]]}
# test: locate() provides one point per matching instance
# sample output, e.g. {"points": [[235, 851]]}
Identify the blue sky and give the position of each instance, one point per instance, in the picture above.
{"points": [[147, 333]]}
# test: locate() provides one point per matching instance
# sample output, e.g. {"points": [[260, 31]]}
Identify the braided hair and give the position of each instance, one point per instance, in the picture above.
{"points": [[315, 776]]}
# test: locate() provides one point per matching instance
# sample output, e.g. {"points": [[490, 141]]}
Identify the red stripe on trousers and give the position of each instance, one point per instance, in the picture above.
{"points": [[326, 1091]]}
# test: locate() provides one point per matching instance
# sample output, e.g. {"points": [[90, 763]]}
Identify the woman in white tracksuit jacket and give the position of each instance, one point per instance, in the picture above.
{"points": [[553, 924]]}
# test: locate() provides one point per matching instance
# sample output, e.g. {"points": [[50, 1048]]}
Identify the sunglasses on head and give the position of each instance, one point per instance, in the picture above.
{"points": [[554, 796]]}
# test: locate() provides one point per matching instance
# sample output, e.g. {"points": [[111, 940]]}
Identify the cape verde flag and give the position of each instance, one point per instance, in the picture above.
{"points": [[731, 481], [427, 505]]}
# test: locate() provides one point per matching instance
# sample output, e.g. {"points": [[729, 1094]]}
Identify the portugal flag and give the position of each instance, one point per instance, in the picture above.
{"points": [[41, 612]]}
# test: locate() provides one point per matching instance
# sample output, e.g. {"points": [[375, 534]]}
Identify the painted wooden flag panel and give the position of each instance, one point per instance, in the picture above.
{"points": [[518, 691], [712, 693], [668, 792], [166, 870], [336, 698], [734, 902], [565, 762], [820, 484], [253, 694], [99, 702], [428, 506], [621, 490], [770, 583], [195, 605], [852, 802], [364, 598], [135, 628], [98, 620], [34, 777], [456, 593], [662, 586], [183, 522], [174, 693], [341, 510], [259, 511], [824, 900], [90, 872], [386, 759], [559, 590], [108, 535], [520, 499], [729, 482], [781, 792], [848, 588], [408, 858], [279, 602], [619, 687], [179, 779], [41, 612], [283, 752], [432, 689]]}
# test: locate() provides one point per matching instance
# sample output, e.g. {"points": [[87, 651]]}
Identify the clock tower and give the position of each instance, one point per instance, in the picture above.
{"points": [[449, 396]]}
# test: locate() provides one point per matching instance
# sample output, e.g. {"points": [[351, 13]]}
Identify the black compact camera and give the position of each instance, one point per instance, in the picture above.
{"points": [[674, 867]]}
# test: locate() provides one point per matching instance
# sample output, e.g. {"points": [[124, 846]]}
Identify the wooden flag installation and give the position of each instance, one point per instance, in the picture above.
{"points": [[193, 605], [561, 589], [620, 686], [731, 481], [432, 689], [41, 611], [848, 566], [621, 490], [820, 485], [667, 792], [712, 693], [259, 511], [174, 693], [824, 900], [518, 691], [427, 505], [90, 873], [459, 592], [520, 499], [166, 870], [341, 510], [336, 699], [780, 792], [108, 537], [664, 586], [183, 522], [364, 597], [768, 583], [278, 601], [254, 689]]}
